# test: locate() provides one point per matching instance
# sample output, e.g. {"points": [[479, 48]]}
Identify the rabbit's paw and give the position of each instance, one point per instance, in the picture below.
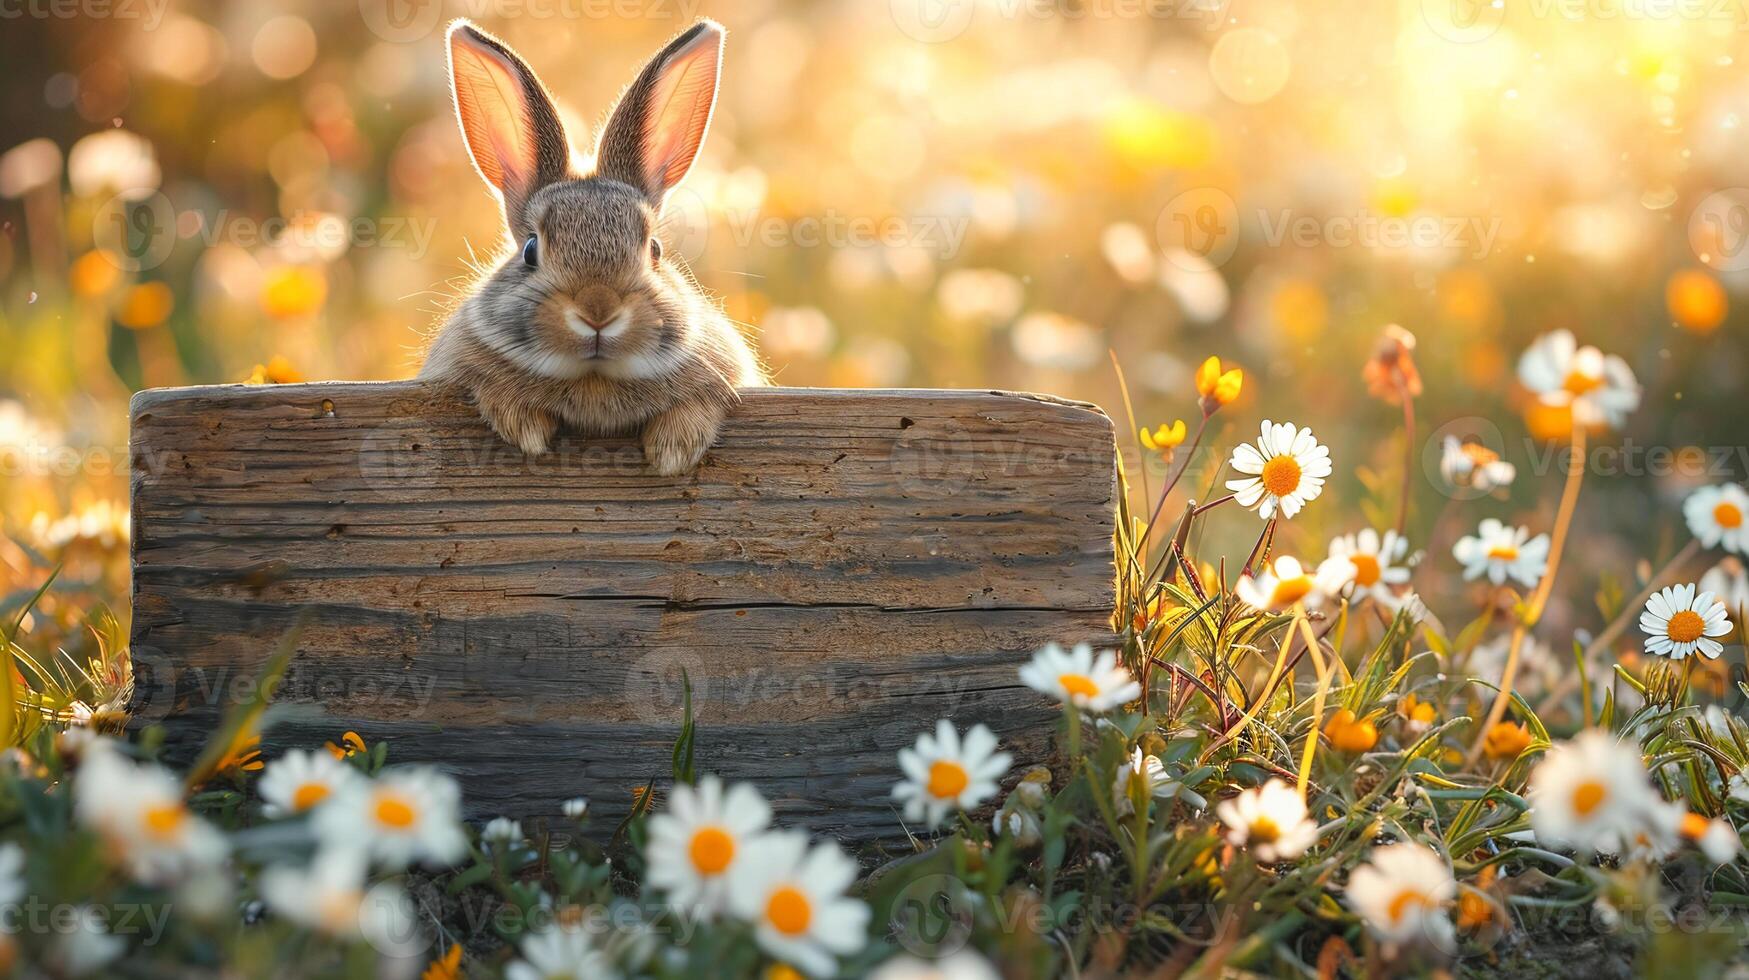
{"points": [[676, 440], [521, 424]]}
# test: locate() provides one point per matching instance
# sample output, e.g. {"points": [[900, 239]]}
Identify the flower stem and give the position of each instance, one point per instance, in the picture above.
{"points": [[1539, 599], [1324, 675], [1172, 483], [1408, 454]]}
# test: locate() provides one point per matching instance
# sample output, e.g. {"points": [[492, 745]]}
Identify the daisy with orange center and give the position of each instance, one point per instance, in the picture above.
{"points": [[139, 810], [403, 816], [1501, 552], [1680, 620], [1366, 565], [1281, 584], [1590, 794], [1401, 894], [1078, 678], [698, 840], [794, 895], [1719, 517], [1270, 821], [299, 781], [1598, 389], [945, 773], [1717, 838], [1282, 472]]}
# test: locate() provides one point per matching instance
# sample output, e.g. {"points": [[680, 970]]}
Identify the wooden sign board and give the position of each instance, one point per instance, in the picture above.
{"points": [[844, 568]]}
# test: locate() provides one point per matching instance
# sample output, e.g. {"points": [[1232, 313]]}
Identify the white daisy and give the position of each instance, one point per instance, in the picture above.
{"points": [[300, 780], [140, 812], [1284, 470], [403, 816], [1473, 466], [1728, 581], [1501, 552], [502, 830], [963, 965], [794, 897], [1368, 563], [1656, 836], [1144, 776], [1716, 516], [1598, 388], [1678, 622], [1282, 583], [944, 773], [1717, 838], [574, 808], [1590, 794], [330, 897], [560, 954], [701, 838], [1401, 894], [1270, 820], [1077, 678]]}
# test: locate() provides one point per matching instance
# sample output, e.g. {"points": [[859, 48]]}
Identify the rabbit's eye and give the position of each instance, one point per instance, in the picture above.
{"points": [[655, 250], [531, 252]]}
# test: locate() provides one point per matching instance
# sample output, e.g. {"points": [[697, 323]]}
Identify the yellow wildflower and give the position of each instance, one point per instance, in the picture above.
{"points": [[1217, 387]]}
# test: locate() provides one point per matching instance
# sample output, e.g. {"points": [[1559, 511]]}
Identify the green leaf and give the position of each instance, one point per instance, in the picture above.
{"points": [[684, 771]]}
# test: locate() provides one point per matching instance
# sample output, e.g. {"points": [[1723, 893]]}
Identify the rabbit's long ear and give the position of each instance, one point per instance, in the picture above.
{"points": [[512, 130], [660, 122]]}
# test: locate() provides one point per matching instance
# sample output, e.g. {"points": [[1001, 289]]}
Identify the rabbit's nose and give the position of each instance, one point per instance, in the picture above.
{"points": [[596, 323]]}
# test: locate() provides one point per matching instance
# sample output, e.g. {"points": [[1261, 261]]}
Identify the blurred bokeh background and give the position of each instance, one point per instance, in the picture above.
{"points": [[957, 193]]}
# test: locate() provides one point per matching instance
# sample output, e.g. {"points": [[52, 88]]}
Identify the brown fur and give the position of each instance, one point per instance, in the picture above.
{"points": [[529, 344]]}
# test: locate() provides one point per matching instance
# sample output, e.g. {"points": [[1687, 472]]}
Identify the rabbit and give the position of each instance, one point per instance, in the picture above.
{"points": [[586, 323]]}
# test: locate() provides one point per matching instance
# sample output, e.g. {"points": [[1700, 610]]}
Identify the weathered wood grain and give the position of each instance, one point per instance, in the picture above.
{"points": [[844, 568]]}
